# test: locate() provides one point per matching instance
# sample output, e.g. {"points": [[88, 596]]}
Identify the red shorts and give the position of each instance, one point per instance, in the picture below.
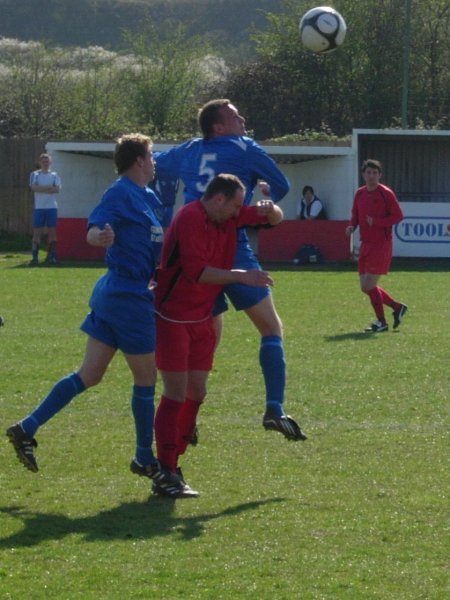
{"points": [[375, 257], [184, 346]]}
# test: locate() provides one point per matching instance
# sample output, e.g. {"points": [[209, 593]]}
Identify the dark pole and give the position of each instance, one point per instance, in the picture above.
{"points": [[405, 70]]}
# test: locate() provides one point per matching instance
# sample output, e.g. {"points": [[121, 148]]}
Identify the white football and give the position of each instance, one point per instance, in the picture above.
{"points": [[322, 29]]}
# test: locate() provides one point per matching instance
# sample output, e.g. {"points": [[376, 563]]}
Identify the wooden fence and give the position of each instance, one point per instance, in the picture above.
{"points": [[18, 157]]}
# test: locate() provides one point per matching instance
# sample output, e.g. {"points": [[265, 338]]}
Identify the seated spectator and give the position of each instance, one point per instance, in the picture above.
{"points": [[310, 207]]}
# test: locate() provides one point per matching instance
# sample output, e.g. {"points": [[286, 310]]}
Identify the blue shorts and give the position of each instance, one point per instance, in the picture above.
{"points": [[242, 296], [245, 296], [43, 217], [118, 335], [122, 318]]}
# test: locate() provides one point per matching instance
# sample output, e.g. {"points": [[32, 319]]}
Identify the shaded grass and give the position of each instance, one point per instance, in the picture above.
{"points": [[14, 242], [359, 510]]}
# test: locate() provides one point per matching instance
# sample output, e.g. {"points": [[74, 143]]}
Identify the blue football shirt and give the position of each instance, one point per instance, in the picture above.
{"points": [[122, 304], [129, 209], [198, 160]]}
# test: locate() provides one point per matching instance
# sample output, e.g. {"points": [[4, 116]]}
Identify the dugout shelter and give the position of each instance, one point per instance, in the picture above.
{"points": [[416, 164]]}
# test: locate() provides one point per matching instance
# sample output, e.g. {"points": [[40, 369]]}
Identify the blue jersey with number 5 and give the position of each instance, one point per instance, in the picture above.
{"points": [[197, 161]]}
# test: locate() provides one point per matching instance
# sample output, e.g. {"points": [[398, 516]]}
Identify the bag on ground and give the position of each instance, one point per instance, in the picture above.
{"points": [[308, 255]]}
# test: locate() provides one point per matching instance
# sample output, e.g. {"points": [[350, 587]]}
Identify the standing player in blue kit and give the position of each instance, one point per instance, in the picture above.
{"points": [[122, 313], [225, 148]]}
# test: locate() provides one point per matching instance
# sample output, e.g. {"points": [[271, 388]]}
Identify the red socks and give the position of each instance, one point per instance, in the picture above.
{"points": [[174, 425], [389, 300], [187, 418], [378, 296], [166, 431], [376, 299]]}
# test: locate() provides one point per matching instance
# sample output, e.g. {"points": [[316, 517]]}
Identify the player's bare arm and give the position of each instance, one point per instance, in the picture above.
{"points": [[253, 277]]}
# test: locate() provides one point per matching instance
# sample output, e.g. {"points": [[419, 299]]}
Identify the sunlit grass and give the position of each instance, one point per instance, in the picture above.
{"points": [[359, 510]]}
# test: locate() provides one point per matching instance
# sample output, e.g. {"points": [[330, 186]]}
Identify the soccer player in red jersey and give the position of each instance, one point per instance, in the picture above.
{"points": [[196, 262], [226, 148], [375, 210]]}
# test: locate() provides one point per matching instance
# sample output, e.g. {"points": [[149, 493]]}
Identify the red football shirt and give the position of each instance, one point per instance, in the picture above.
{"points": [[382, 205], [192, 243]]}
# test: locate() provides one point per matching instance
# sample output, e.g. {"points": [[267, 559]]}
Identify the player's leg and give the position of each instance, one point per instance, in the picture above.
{"points": [[271, 353], [378, 297], [144, 462], [184, 391], [36, 240], [370, 270], [398, 308], [187, 417], [143, 369], [384, 258], [135, 336], [167, 413], [220, 307], [374, 261], [174, 392], [52, 217], [203, 343], [259, 307], [172, 356], [273, 365], [97, 357], [38, 224], [96, 360], [200, 362], [368, 283], [218, 328]]}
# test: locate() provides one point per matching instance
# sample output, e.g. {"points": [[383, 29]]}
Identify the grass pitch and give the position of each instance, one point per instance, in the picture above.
{"points": [[358, 511]]}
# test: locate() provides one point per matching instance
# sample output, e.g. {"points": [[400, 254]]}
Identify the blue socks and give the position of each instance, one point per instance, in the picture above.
{"points": [[61, 394], [143, 407], [273, 365], [34, 251]]}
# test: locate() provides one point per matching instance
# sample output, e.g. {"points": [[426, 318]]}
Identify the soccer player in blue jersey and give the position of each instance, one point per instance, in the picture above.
{"points": [[122, 308], [225, 148]]}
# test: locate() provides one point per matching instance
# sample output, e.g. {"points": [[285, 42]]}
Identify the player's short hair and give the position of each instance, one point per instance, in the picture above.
{"points": [[128, 148], [44, 155], [371, 163], [210, 114], [225, 184], [307, 188]]}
